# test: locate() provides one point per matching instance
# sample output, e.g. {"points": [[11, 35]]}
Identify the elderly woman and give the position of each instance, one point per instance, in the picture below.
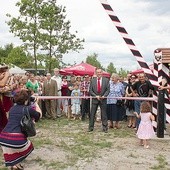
{"points": [[114, 111], [15, 145]]}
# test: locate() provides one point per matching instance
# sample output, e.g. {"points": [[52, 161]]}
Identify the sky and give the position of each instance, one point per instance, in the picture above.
{"points": [[146, 21]]}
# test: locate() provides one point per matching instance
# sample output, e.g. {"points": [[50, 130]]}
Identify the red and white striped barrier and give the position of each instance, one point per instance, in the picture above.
{"points": [[90, 97], [129, 42]]}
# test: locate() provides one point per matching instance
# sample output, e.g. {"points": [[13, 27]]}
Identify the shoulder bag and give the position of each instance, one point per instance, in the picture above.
{"points": [[119, 103], [27, 124]]}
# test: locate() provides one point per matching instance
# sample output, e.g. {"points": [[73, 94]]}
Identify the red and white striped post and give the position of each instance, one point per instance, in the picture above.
{"points": [[129, 42]]}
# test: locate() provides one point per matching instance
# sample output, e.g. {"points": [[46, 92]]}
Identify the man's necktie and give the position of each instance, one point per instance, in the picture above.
{"points": [[98, 85]]}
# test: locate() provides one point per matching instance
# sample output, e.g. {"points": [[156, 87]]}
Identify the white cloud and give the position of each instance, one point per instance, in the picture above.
{"points": [[143, 25], [147, 23]]}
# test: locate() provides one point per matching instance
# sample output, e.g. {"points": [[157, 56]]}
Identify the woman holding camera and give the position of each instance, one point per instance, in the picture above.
{"points": [[15, 145]]}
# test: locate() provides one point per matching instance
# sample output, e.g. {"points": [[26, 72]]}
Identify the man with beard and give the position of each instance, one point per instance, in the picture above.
{"points": [[141, 88]]}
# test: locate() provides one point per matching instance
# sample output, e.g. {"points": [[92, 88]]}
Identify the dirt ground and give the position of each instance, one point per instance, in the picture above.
{"points": [[123, 152], [125, 155]]}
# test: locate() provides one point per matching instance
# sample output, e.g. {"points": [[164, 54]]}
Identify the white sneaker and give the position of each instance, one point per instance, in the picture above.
{"points": [[146, 146]]}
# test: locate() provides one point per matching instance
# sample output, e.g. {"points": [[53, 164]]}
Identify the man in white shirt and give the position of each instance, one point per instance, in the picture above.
{"points": [[58, 79]]}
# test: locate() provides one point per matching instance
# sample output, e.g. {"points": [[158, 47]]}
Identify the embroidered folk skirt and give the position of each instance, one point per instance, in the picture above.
{"points": [[15, 147]]}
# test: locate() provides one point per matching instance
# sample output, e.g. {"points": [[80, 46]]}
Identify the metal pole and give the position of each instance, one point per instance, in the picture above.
{"points": [[160, 114]]}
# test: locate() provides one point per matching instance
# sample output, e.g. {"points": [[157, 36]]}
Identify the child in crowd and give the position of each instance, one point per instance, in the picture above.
{"points": [[75, 102], [145, 130]]}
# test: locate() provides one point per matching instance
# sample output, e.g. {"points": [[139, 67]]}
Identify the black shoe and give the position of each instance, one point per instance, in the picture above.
{"points": [[105, 130], [83, 119], [90, 130]]}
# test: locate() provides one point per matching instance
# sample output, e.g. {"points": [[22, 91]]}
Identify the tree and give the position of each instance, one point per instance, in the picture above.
{"points": [[110, 68], [56, 37], [123, 73], [4, 52], [92, 59], [41, 26], [18, 57], [51, 63], [26, 26]]}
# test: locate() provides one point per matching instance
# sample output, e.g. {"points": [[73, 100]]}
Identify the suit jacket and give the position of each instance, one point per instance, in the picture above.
{"points": [[105, 88], [50, 89]]}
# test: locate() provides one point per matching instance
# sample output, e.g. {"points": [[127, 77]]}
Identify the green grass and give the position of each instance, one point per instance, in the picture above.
{"points": [[2, 163], [162, 163], [40, 142], [72, 138], [132, 155], [39, 160]]}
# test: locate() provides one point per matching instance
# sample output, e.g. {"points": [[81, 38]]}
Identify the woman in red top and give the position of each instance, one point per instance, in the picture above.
{"points": [[64, 92]]}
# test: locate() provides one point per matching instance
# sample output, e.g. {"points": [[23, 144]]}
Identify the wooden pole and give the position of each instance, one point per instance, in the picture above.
{"points": [[160, 114]]}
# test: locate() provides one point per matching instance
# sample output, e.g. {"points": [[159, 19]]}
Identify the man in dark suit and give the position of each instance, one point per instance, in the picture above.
{"points": [[99, 90]]}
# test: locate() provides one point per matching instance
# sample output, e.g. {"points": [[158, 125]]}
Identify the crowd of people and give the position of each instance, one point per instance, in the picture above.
{"points": [[78, 97], [67, 92]]}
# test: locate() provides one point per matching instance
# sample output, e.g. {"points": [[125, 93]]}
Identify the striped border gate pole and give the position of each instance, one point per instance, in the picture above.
{"points": [[155, 95], [161, 105], [129, 42]]}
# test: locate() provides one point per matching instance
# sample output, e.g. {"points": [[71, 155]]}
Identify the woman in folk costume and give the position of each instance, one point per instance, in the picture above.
{"points": [[15, 145], [6, 86]]}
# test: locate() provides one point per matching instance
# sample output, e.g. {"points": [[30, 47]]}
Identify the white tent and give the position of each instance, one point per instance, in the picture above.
{"points": [[16, 70]]}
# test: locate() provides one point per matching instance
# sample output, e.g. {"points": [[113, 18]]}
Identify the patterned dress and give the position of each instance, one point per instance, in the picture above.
{"points": [[145, 130], [114, 112]]}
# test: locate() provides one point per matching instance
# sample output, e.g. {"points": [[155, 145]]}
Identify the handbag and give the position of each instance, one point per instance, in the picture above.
{"points": [[119, 103], [27, 124]]}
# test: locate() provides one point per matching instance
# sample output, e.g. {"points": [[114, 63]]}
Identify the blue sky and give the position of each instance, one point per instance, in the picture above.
{"points": [[146, 21]]}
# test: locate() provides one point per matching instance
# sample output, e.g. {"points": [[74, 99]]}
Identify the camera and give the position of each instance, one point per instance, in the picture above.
{"points": [[32, 99]]}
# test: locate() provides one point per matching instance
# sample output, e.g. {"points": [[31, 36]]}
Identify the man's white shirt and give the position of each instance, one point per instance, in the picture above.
{"points": [[59, 83]]}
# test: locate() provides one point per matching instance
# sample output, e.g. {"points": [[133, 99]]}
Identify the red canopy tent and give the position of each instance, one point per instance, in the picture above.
{"points": [[81, 69]]}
